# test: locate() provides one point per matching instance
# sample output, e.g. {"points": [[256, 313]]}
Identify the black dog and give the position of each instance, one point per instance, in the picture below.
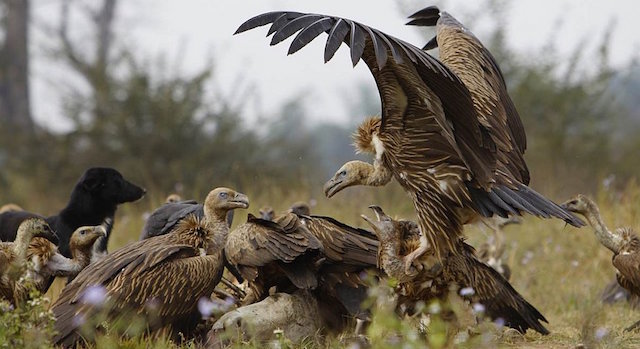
{"points": [[94, 199]]}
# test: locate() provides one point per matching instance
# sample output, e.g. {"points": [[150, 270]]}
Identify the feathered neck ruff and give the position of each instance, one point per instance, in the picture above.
{"points": [[363, 137]]}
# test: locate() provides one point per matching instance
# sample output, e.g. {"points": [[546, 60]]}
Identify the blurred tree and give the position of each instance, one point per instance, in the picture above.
{"points": [[14, 65]]}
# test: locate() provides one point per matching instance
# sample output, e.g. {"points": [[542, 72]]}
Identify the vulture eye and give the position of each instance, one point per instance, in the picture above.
{"points": [[342, 173], [223, 195]]}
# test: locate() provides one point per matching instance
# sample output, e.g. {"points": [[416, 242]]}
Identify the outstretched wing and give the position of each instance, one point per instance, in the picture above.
{"points": [[420, 96], [344, 246], [465, 55], [259, 242]]}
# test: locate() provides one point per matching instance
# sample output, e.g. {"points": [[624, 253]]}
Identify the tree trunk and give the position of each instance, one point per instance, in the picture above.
{"points": [[14, 67]]}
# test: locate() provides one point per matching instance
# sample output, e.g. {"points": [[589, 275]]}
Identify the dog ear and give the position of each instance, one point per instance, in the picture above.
{"points": [[91, 183]]}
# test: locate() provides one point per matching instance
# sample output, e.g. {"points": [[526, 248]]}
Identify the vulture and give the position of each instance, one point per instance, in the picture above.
{"points": [[171, 198], [160, 278], [491, 252], [315, 262], [457, 159], [623, 242], [281, 253], [267, 213], [48, 262], [14, 256], [164, 218], [346, 253], [484, 285], [300, 208]]}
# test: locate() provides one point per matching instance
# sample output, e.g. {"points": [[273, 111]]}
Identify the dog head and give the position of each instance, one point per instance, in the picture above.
{"points": [[110, 186]]}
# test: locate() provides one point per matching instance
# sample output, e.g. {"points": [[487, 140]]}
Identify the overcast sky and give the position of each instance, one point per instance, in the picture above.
{"points": [[195, 32]]}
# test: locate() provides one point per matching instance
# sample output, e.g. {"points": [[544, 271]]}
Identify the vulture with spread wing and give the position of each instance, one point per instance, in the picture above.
{"points": [[160, 278], [455, 158]]}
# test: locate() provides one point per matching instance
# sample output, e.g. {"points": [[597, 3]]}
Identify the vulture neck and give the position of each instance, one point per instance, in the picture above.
{"points": [[375, 175], [390, 259], [609, 239], [21, 243], [81, 257], [216, 221]]}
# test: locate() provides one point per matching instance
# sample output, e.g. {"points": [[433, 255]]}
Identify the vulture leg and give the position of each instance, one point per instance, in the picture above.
{"points": [[415, 254]]}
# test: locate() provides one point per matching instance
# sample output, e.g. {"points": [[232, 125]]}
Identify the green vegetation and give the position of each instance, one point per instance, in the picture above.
{"points": [[559, 269]]}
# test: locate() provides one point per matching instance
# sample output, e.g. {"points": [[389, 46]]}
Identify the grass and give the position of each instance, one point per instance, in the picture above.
{"points": [[561, 270]]}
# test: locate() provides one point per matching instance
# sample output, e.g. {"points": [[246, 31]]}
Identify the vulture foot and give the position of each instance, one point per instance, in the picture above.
{"points": [[409, 268]]}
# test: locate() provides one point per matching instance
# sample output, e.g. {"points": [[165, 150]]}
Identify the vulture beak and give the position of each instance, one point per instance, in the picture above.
{"points": [[100, 230], [380, 216], [48, 234], [333, 186], [240, 201]]}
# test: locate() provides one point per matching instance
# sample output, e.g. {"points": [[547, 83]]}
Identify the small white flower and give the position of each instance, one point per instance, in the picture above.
{"points": [[79, 320], [94, 295], [206, 307], [499, 322], [575, 263], [601, 332], [434, 308], [467, 291], [478, 308]]}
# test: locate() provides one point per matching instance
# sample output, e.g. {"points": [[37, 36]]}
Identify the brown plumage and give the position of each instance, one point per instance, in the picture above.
{"points": [[14, 256], [623, 242], [161, 278], [482, 283], [48, 262], [465, 55], [346, 252], [300, 208], [431, 139], [266, 254]]}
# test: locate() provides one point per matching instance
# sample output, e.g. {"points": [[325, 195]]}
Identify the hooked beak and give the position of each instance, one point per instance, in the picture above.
{"points": [[380, 216], [333, 186], [49, 235], [100, 230], [240, 201]]}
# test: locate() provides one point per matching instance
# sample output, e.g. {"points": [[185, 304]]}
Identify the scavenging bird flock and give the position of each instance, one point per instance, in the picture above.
{"points": [[448, 133]]}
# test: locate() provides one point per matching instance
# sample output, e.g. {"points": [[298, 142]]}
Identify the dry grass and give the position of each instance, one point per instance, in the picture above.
{"points": [[559, 269]]}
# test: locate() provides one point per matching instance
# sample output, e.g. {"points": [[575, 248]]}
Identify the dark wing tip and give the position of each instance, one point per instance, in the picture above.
{"points": [[258, 21], [433, 43], [427, 17]]}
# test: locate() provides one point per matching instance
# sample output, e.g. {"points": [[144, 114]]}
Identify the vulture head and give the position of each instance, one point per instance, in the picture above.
{"points": [[83, 238], [300, 208], [267, 213], [351, 173], [384, 227], [31, 228], [387, 228], [580, 204], [172, 198], [219, 201]]}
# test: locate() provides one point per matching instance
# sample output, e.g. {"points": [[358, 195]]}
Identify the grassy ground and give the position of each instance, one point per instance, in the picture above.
{"points": [[559, 269]]}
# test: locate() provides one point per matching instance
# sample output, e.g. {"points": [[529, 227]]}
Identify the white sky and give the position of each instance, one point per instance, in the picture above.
{"points": [[198, 31]]}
